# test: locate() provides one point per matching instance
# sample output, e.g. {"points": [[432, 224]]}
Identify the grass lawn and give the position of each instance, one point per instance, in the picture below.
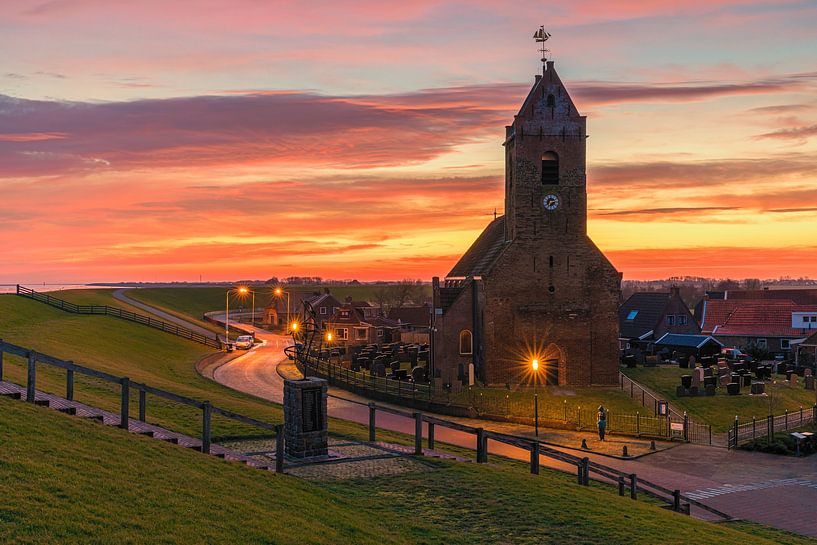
{"points": [[720, 410], [66, 480]]}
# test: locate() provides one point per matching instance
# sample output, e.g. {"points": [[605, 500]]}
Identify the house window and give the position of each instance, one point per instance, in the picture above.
{"points": [[682, 319], [761, 343], [466, 342], [342, 333], [344, 313], [379, 332], [361, 333], [631, 316], [670, 319], [550, 168], [323, 310], [785, 344]]}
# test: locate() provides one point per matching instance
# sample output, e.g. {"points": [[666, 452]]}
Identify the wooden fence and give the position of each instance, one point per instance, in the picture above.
{"points": [[126, 386], [116, 312], [740, 434]]}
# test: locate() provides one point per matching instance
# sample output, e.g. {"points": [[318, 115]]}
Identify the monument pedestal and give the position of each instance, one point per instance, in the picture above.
{"points": [[305, 417]]}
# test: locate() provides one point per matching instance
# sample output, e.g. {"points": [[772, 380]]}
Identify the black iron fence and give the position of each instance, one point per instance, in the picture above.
{"points": [[741, 433], [506, 408], [116, 312]]}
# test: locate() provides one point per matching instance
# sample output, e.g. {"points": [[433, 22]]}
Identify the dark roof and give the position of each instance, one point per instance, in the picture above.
{"points": [[650, 309], [685, 341], [481, 256], [417, 316]]}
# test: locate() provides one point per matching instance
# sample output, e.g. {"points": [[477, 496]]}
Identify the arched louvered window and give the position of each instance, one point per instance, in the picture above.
{"points": [[550, 168], [466, 342]]}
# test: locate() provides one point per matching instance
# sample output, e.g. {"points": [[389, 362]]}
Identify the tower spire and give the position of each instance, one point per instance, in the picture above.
{"points": [[541, 36]]}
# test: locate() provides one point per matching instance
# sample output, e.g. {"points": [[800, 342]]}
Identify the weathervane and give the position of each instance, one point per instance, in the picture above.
{"points": [[541, 37]]}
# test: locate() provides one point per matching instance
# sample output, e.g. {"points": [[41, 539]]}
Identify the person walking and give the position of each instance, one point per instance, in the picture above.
{"points": [[602, 422]]}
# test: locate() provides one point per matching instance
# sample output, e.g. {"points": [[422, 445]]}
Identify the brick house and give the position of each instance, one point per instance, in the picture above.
{"points": [[357, 323], [533, 284], [323, 303], [414, 322], [647, 316], [772, 324]]}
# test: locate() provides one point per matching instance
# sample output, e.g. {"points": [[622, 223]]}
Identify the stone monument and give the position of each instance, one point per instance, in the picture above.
{"points": [[305, 417]]}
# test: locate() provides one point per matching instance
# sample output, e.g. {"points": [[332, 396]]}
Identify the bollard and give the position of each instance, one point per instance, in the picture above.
{"points": [[624, 452], [372, 410], [652, 445], [31, 379], [534, 458], [584, 445], [482, 456], [633, 486], [69, 384], [205, 427], [621, 486], [279, 448], [418, 434], [124, 405], [431, 435], [142, 405]]}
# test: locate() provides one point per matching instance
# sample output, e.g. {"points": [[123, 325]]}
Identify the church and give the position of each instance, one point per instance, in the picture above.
{"points": [[533, 286]]}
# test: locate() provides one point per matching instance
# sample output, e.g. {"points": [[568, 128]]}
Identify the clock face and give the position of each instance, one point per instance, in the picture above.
{"points": [[551, 202]]}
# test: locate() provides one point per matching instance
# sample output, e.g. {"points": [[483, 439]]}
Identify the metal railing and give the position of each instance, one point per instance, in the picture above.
{"points": [[116, 312], [740, 434]]}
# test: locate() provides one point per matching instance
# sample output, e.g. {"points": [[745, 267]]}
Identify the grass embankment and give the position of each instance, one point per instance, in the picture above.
{"points": [[720, 410], [66, 480]]}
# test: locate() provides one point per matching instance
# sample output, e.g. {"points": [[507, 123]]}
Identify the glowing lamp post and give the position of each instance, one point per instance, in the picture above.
{"points": [[244, 290], [278, 293], [534, 365]]}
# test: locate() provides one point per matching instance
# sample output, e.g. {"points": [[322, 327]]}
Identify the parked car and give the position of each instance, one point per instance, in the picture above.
{"points": [[735, 354], [244, 342]]}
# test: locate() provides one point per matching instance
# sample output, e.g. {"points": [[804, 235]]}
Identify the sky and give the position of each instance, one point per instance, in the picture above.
{"points": [[160, 141]]}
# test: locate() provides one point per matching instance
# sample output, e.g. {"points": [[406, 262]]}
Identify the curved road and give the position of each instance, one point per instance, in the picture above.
{"points": [[773, 490]]}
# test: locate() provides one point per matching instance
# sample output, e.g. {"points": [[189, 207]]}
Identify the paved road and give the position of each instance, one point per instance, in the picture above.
{"points": [[773, 490], [122, 296]]}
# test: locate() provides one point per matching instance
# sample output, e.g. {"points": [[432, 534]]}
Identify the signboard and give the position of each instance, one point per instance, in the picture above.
{"points": [[663, 408], [310, 409], [677, 426]]}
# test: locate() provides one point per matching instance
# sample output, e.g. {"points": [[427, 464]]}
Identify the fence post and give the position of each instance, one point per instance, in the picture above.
{"points": [[279, 448], [801, 415], [205, 427], [633, 486], [372, 410], [1, 360], [686, 427], [431, 435], [710, 433], [753, 428], [585, 471], [69, 383], [676, 500], [418, 434], [124, 405], [579, 417], [638, 423], [769, 428], [621, 485], [736, 431], [534, 458], [579, 472], [481, 455], [142, 405], [31, 379]]}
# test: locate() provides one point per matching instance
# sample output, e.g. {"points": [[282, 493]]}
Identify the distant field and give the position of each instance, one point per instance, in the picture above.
{"points": [[720, 410], [66, 480]]}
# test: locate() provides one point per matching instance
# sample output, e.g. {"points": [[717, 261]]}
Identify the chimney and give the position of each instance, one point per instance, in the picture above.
{"points": [[675, 291]]}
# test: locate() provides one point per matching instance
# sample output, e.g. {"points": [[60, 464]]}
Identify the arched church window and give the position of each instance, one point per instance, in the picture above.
{"points": [[466, 342], [550, 168]]}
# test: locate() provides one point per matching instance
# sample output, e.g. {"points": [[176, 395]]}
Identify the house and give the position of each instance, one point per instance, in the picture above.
{"points": [[282, 310], [357, 323], [648, 316], [772, 324], [414, 322], [806, 351], [690, 345], [533, 286]]}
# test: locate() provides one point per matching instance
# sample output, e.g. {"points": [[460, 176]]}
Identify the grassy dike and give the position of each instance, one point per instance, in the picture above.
{"points": [[66, 480]]}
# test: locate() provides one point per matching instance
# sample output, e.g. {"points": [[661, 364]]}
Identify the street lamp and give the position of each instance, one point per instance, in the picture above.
{"points": [[244, 290], [534, 364], [279, 292]]}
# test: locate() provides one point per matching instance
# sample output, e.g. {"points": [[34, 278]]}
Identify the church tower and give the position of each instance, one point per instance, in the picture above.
{"points": [[533, 285]]}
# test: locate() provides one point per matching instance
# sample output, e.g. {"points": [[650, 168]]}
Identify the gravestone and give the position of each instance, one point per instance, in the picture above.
{"points": [[698, 376], [724, 379], [305, 417], [758, 388], [792, 378], [809, 380]]}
